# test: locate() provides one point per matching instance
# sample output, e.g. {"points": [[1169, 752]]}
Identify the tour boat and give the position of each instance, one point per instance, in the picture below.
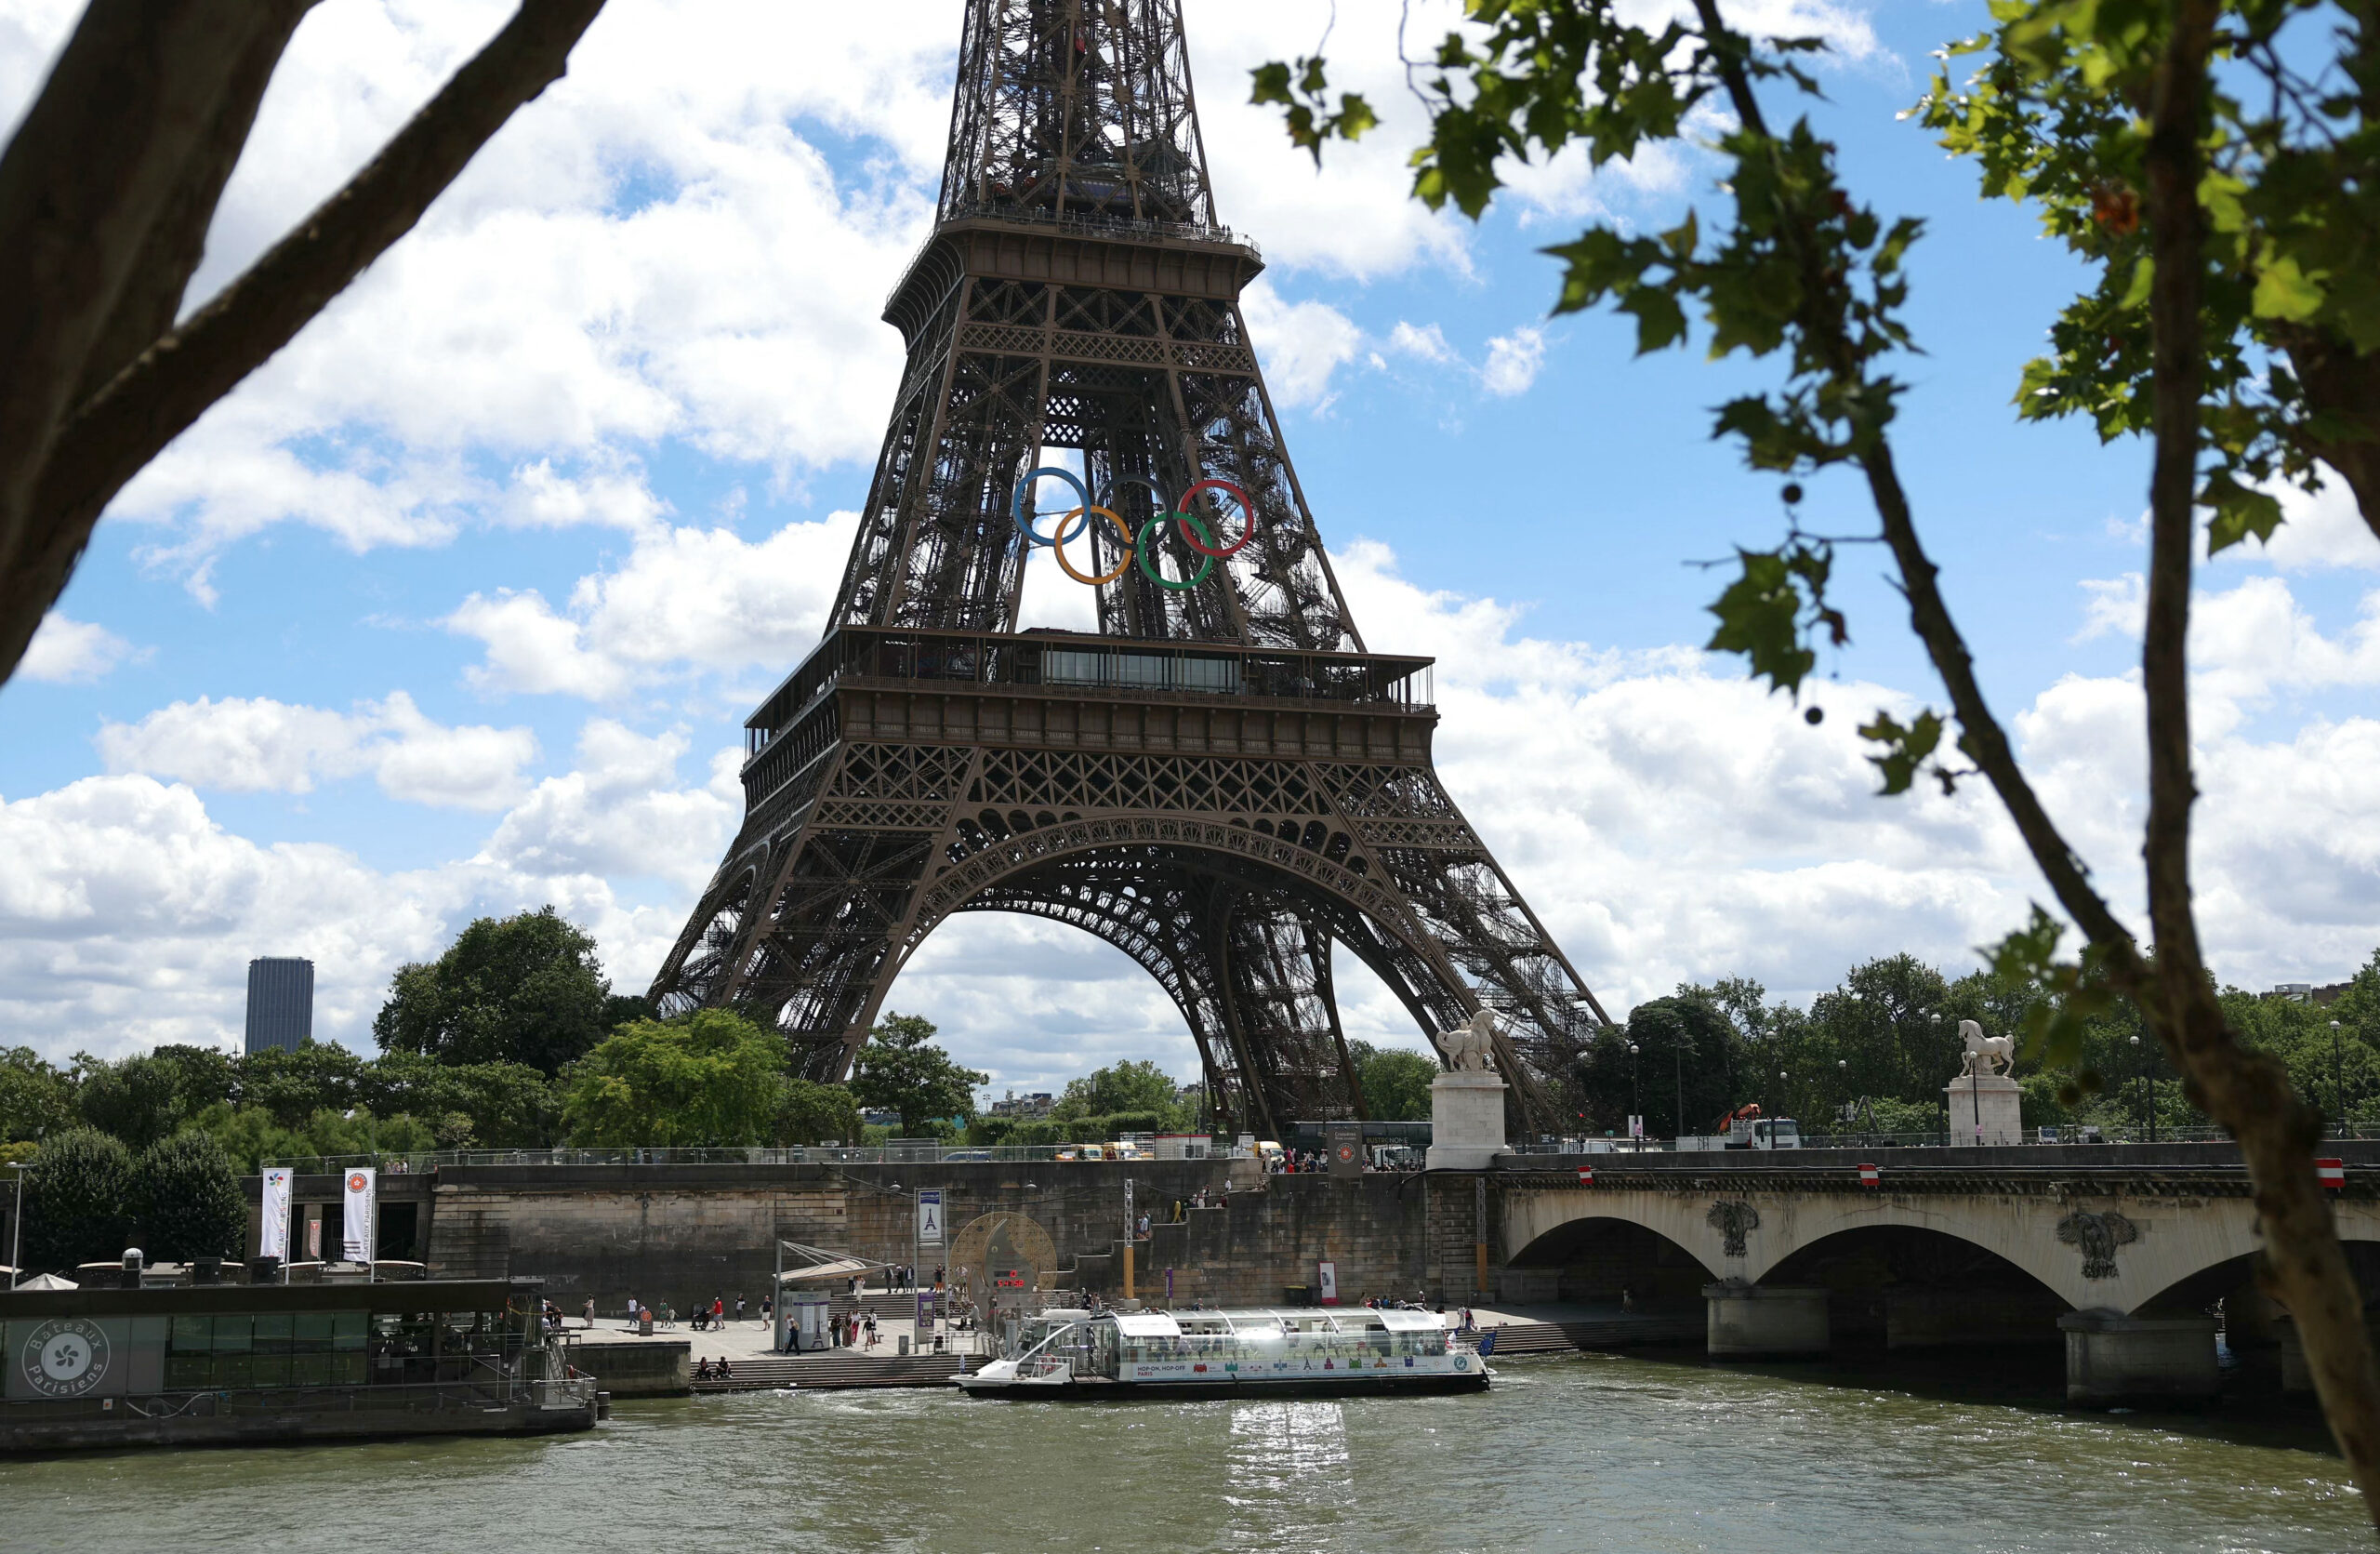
{"points": [[1348, 1350]]}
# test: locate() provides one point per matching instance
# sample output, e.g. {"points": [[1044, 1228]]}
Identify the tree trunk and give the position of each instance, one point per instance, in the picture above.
{"points": [[2248, 1093]]}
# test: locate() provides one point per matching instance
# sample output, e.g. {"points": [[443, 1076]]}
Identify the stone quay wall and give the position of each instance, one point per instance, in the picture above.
{"points": [[685, 1232]]}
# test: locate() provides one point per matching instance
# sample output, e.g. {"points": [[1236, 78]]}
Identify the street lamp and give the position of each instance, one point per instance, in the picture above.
{"points": [[17, 1224], [2147, 1093], [2338, 1085], [1636, 1088]]}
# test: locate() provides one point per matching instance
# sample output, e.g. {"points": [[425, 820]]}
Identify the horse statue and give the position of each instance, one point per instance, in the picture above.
{"points": [[1471, 1045], [1985, 1052]]}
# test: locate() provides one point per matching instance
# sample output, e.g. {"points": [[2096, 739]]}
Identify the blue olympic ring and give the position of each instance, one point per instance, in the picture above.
{"points": [[1025, 489]]}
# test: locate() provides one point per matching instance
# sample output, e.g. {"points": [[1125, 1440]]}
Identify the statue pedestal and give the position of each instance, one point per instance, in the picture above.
{"points": [[1466, 1120], [1984, 1110]]}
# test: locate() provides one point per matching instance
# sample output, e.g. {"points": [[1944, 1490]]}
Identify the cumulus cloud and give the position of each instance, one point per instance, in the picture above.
{"points": [[66, 652], [620, 815], [1513, 361], [685, 601], [1301, 344], [128, 914], [243, 745]]}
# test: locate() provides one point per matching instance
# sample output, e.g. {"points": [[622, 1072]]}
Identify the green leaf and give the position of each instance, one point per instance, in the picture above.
{"points": [[2239, 510], [1759, 617], [1659, 321], [1906, 750], [2285, 291]]}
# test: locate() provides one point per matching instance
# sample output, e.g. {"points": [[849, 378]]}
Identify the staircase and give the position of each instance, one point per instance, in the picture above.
{"points": [[836, 1369]]}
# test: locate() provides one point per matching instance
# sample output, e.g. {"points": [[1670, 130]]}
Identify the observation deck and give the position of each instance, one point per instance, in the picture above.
{"points": [[1067, 690]]}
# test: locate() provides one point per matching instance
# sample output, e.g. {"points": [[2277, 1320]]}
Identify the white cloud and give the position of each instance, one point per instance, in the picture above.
{"points": [[2115, 607], [1667, 821], [620, 815], [1302, 344], [68, 652], [2319, 531], [128, 914], [687, 601], [1429, 344], [247, 746], [1513, 361]]}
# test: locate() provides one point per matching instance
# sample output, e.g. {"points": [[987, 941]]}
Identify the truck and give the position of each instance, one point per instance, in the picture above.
{"points": [[1745, 1128]]}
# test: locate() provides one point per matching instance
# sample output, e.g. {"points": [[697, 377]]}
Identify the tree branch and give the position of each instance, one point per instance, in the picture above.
{"points": [[177, 239], [110, 438], [99, 155], [1987, 742]]}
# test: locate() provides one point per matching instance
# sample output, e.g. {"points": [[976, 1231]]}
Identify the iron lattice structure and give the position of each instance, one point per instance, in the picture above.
{"points": [[1222, 781]]}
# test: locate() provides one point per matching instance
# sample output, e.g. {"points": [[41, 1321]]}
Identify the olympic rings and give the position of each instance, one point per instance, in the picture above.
{"points": [[1246, 507], [1141, 552], [1024, 490], [1157, 493], [1058, 547]]}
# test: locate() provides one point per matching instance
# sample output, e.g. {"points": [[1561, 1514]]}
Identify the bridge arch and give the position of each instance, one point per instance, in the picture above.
{"points": [[2106, 1251], [1597, 1258]]}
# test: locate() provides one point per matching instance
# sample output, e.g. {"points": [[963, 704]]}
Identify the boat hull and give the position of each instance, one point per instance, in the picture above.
{"points": [[1300, 1386]]}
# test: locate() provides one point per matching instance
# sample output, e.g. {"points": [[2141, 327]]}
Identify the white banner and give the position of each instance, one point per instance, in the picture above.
{"points": [[930, 1217], [358, 1213], [272, 1224]]}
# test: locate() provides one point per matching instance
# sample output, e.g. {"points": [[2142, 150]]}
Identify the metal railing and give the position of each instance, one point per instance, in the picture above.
{"points": [[2058, 1135], [900, 1152]]}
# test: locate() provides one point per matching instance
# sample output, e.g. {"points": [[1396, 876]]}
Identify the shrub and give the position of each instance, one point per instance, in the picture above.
{"points": [[75, 1200], [185, 1202]]}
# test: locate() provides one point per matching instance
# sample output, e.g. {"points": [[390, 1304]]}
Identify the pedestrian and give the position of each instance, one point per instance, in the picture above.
{"points": [[768, 1310], [937, 1276], [739, 1307], [590, 1311], [633, 1310]]}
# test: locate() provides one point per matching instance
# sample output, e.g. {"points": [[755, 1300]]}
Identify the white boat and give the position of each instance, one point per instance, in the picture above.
{"points": [[1353, 1350]]}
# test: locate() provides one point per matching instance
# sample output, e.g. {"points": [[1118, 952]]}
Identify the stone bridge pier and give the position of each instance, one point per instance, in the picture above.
{"points": [[2138, 1260]]}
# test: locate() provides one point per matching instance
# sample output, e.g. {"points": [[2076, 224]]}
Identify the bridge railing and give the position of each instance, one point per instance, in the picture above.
{"points": [[2058, 1134]]}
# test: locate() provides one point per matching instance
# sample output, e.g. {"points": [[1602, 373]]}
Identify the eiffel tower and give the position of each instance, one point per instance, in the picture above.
{"points": [[1222, 781]]}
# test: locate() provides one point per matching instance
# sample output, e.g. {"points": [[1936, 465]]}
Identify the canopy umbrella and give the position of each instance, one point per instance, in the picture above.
{"points": [[48, 1282]]}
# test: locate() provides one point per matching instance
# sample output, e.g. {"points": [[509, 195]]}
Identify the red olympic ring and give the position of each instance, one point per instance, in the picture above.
{"points": [[1246, 507]]}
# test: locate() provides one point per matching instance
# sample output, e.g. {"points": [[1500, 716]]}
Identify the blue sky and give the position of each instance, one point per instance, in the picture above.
{"points": [[455, 607]]}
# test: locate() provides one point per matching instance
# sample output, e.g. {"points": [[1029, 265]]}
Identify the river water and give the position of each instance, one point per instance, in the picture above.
{"points": [[1589, 1452]]}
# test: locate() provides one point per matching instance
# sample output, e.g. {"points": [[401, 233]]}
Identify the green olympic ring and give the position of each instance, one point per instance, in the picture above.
{"points": [[1140, 551]]}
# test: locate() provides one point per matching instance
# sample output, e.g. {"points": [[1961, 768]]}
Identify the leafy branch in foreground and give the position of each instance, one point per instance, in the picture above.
{"points": [[1804, 269], [2290, 195]]}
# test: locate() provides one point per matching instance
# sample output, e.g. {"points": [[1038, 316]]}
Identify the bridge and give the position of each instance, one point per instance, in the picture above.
{"points": [[2132, 1256]]}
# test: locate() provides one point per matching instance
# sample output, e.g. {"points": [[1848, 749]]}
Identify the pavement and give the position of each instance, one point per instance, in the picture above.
{"points": [[750, 1338]]}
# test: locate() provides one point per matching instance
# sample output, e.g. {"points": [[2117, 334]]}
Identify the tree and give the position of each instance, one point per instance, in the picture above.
{"points": [[2290, 307], [1131, 1086], [809, 1112], [75, 1200], [711, 1077], [184, 1201], [901, 1070], [293, 1085], [1395, 1082], [1800, 269], [107, 189], [35, 1099], [494, 1106], [526, 988], [138, 1099]]}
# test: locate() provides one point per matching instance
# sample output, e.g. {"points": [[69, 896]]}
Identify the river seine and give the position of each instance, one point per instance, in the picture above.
{"points": [[1575, 1453]]}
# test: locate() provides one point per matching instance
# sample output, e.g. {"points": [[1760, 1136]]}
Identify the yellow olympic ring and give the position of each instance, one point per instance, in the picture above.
{"points": [[1060, 547]]}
